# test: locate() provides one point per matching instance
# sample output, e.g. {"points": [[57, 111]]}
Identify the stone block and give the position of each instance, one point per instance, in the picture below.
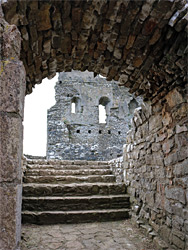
{"points": [[178, 242], [154, 225], [181, 140], [10, 147], [167, 119], [177, 222], [180, 112], [11, 43], [175, 193], [180, 129], [161, 137], [177, 209], [186, 226], [160, 244], [158, 158], [168, 206], [12, 87], [10, 216], [149, 198], [171, 159], [174, 98], [156, 147], [43, 18], [182, 153], [164, 232], [155, 123], [168, 145]]}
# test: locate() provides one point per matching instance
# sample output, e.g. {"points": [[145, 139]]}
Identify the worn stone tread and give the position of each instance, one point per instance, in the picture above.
{"points": [[66, 162], [75, 202], [72, 189], [69, 179], [60, 172], [60, 217], [77, 197], [68, 167], [60, 194]]}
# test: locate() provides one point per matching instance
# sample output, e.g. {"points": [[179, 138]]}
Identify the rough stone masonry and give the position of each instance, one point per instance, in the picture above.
{"points": [[141, 44], [78, 134]]}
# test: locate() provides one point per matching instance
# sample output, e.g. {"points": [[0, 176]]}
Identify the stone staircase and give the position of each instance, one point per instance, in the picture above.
{"points": [[57, 191]]}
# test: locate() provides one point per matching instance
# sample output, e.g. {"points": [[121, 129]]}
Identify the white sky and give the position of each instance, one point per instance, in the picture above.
{"points": [[35, 117]]}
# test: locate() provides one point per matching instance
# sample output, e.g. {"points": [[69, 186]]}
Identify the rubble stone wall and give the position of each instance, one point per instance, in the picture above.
{"points": [[156, 167], [118, 169], [79, 135], [141, 44]]}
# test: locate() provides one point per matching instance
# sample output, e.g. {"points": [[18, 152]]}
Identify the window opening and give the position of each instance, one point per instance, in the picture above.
{"points": [[78, 131], [73, 108], [109, 132], [102, 114], [100, 131], [104, 109], [119, 132], [76, 105], [89, 131]]}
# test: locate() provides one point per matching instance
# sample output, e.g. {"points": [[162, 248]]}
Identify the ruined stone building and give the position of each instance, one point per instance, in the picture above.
{"points": [[79, 134], [140, 44]]}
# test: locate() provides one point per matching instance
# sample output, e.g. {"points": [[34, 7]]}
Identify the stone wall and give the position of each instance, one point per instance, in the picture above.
{"points": [[79, 135], [12, 90], [118, 169], [141, 44], [156, 167]]}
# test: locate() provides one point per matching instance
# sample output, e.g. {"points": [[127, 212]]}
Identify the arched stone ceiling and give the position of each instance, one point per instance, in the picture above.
{"points": [[141, 44]]}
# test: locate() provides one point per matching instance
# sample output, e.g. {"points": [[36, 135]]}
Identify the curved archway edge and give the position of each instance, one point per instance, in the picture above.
{"points": [[140, 44]]}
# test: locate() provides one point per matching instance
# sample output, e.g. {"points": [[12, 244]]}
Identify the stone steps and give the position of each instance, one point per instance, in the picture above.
{"points": [[71, 192], [66, 162], [60, 172], [56, 217], [75, 189], [66, 167], [69, 179], [76, 203]]}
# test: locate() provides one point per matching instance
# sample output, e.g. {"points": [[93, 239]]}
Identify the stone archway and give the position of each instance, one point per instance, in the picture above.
{"points": [[140, 44]]}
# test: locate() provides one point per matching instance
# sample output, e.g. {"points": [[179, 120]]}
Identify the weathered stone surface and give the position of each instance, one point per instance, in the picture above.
{"points": [[43, 17], [175, 193], [10, 223], [128, 32], [153, 65], [46, 203], [167, 146], [10, 128], [174, 98], [79, 135], [12, 87], [158, 184], [86, 236]]}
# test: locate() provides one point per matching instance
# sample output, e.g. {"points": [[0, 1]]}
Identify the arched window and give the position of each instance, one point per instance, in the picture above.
{"points": [[76, 105], [104, 109]]}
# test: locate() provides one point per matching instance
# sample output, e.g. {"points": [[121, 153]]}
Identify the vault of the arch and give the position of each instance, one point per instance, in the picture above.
{"points": [[141, 44]]}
